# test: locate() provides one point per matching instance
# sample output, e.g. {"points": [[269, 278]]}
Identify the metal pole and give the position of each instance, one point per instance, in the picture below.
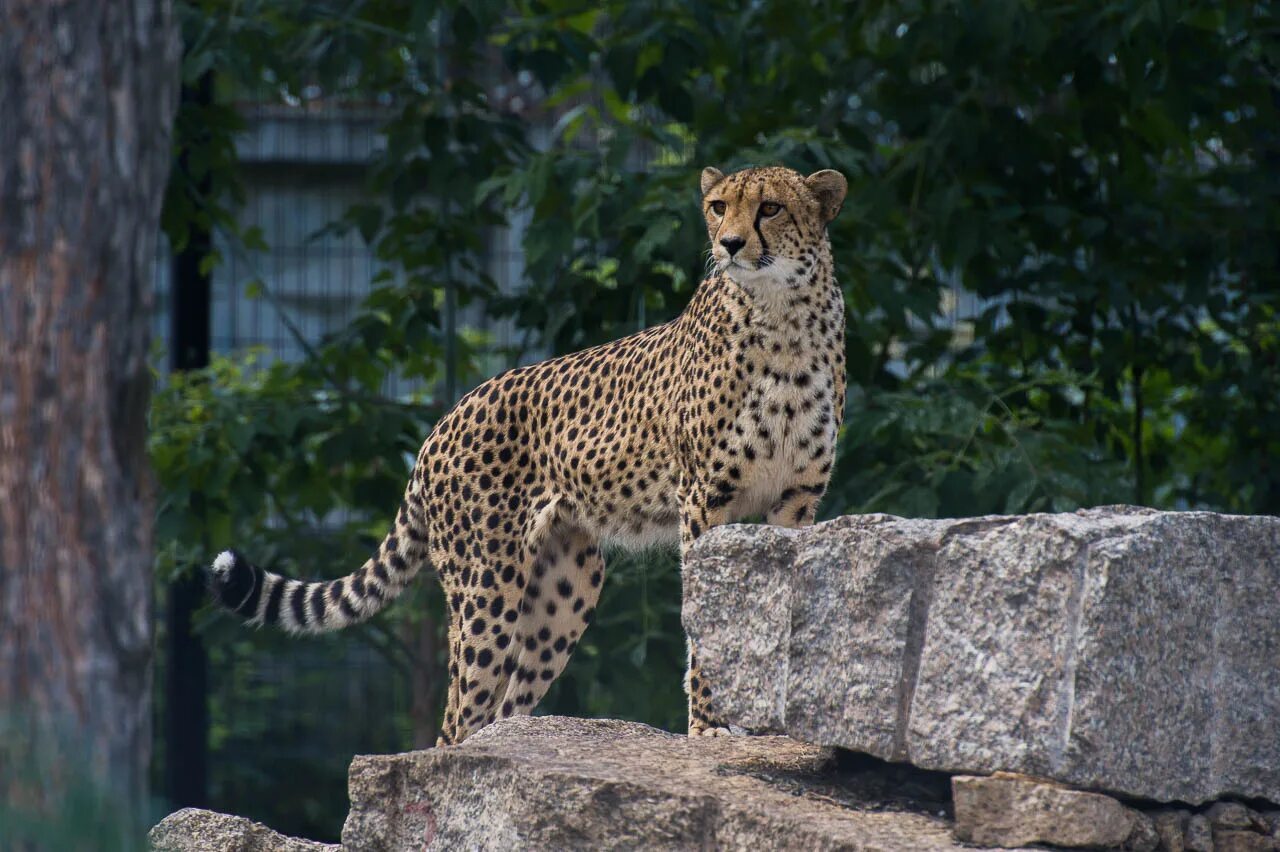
{"points": [[186, 704]]}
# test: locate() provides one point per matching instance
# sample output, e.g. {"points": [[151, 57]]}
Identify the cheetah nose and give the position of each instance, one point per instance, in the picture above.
{"points": [[733, 244]]}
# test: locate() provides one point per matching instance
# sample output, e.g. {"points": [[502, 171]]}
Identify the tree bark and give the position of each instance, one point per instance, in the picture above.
{"points": [[87, 95]]}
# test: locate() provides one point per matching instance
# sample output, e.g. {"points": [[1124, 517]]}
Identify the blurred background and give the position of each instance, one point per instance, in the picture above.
{"points": [[1060, 256]]}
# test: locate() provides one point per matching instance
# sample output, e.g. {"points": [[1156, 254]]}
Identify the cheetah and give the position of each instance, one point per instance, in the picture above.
{"points": [[726, 412]]}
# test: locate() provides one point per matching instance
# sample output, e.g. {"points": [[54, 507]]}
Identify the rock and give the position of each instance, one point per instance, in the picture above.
{"points": [[1230, 815], [1242, 841], [195, 830], [1009, 810], [1120, 649], [1199, 835], [1143, 838], [566, 784], [1171, 826], [759, 677]]}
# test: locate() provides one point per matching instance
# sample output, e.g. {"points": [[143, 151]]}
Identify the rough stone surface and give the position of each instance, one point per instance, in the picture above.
{"points": [[1144, 837], [1199, 835], [1120, 649], [1008, 810], [758, 677], [558, 783], [1230, 816], [1171, 827], [1242, 841], [194, 830]]}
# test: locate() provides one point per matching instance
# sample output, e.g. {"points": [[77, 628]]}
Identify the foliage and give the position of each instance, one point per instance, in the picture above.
{"points": [[954, 447], [1101, 179], [1101, 176], [275, 461]]}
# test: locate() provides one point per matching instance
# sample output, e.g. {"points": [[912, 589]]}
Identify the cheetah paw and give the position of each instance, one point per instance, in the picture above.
{"points": [[718, 731]]}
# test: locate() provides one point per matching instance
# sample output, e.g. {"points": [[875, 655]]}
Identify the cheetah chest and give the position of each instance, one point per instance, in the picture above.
{"points": [[784, 429]]}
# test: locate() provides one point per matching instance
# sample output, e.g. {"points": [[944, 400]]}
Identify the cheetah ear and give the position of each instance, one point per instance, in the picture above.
{"points": [[710, 177], [829, 187]]}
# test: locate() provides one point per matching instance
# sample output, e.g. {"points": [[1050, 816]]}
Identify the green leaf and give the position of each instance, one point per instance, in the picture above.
{"points": [[1020, 496], [209, 262]]}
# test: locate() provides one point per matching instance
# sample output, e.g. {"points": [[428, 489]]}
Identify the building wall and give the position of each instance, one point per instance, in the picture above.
{"points": [[302, 169]]}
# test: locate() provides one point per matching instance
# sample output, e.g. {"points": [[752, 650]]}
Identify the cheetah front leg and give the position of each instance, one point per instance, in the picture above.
{"points": [[701, 720], [695, 519], [797, 506]]}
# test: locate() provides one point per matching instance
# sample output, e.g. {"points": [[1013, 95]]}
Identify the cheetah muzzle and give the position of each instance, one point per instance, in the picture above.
{"points": [[728, 411]]}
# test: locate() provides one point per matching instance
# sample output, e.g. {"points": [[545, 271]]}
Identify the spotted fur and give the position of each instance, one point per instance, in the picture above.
{"points": [[728, 411]]}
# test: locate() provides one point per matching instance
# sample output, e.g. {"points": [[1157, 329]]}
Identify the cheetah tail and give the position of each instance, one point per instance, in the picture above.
{"points": [[299, 606]]}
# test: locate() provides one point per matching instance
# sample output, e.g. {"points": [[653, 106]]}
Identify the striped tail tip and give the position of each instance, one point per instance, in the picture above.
{"points": [[235, 583]]}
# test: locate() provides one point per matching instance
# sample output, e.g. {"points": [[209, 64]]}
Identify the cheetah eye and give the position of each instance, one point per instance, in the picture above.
{"points": [[770, 208], [718, 207]]}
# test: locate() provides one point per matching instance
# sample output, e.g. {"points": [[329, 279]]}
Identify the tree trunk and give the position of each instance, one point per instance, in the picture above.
{"points": [[87, 95]]}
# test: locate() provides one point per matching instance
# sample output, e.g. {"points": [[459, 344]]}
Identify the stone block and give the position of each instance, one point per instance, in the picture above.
{"points": [[1119, 648], [1007, 810], [576, 784]]}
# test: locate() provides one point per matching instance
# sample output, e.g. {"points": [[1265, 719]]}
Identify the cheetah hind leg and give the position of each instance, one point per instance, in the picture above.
{"points": [[449, 725], [557, 607], [483, 595], [477, 638]]}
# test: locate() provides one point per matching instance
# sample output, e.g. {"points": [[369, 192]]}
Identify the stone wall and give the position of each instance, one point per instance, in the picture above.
{"points": [[596, 784], [1037, 661], [1119, 649]]}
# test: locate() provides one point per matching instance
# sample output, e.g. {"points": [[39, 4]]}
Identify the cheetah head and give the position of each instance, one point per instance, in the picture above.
{"points": [[766, 224]]}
